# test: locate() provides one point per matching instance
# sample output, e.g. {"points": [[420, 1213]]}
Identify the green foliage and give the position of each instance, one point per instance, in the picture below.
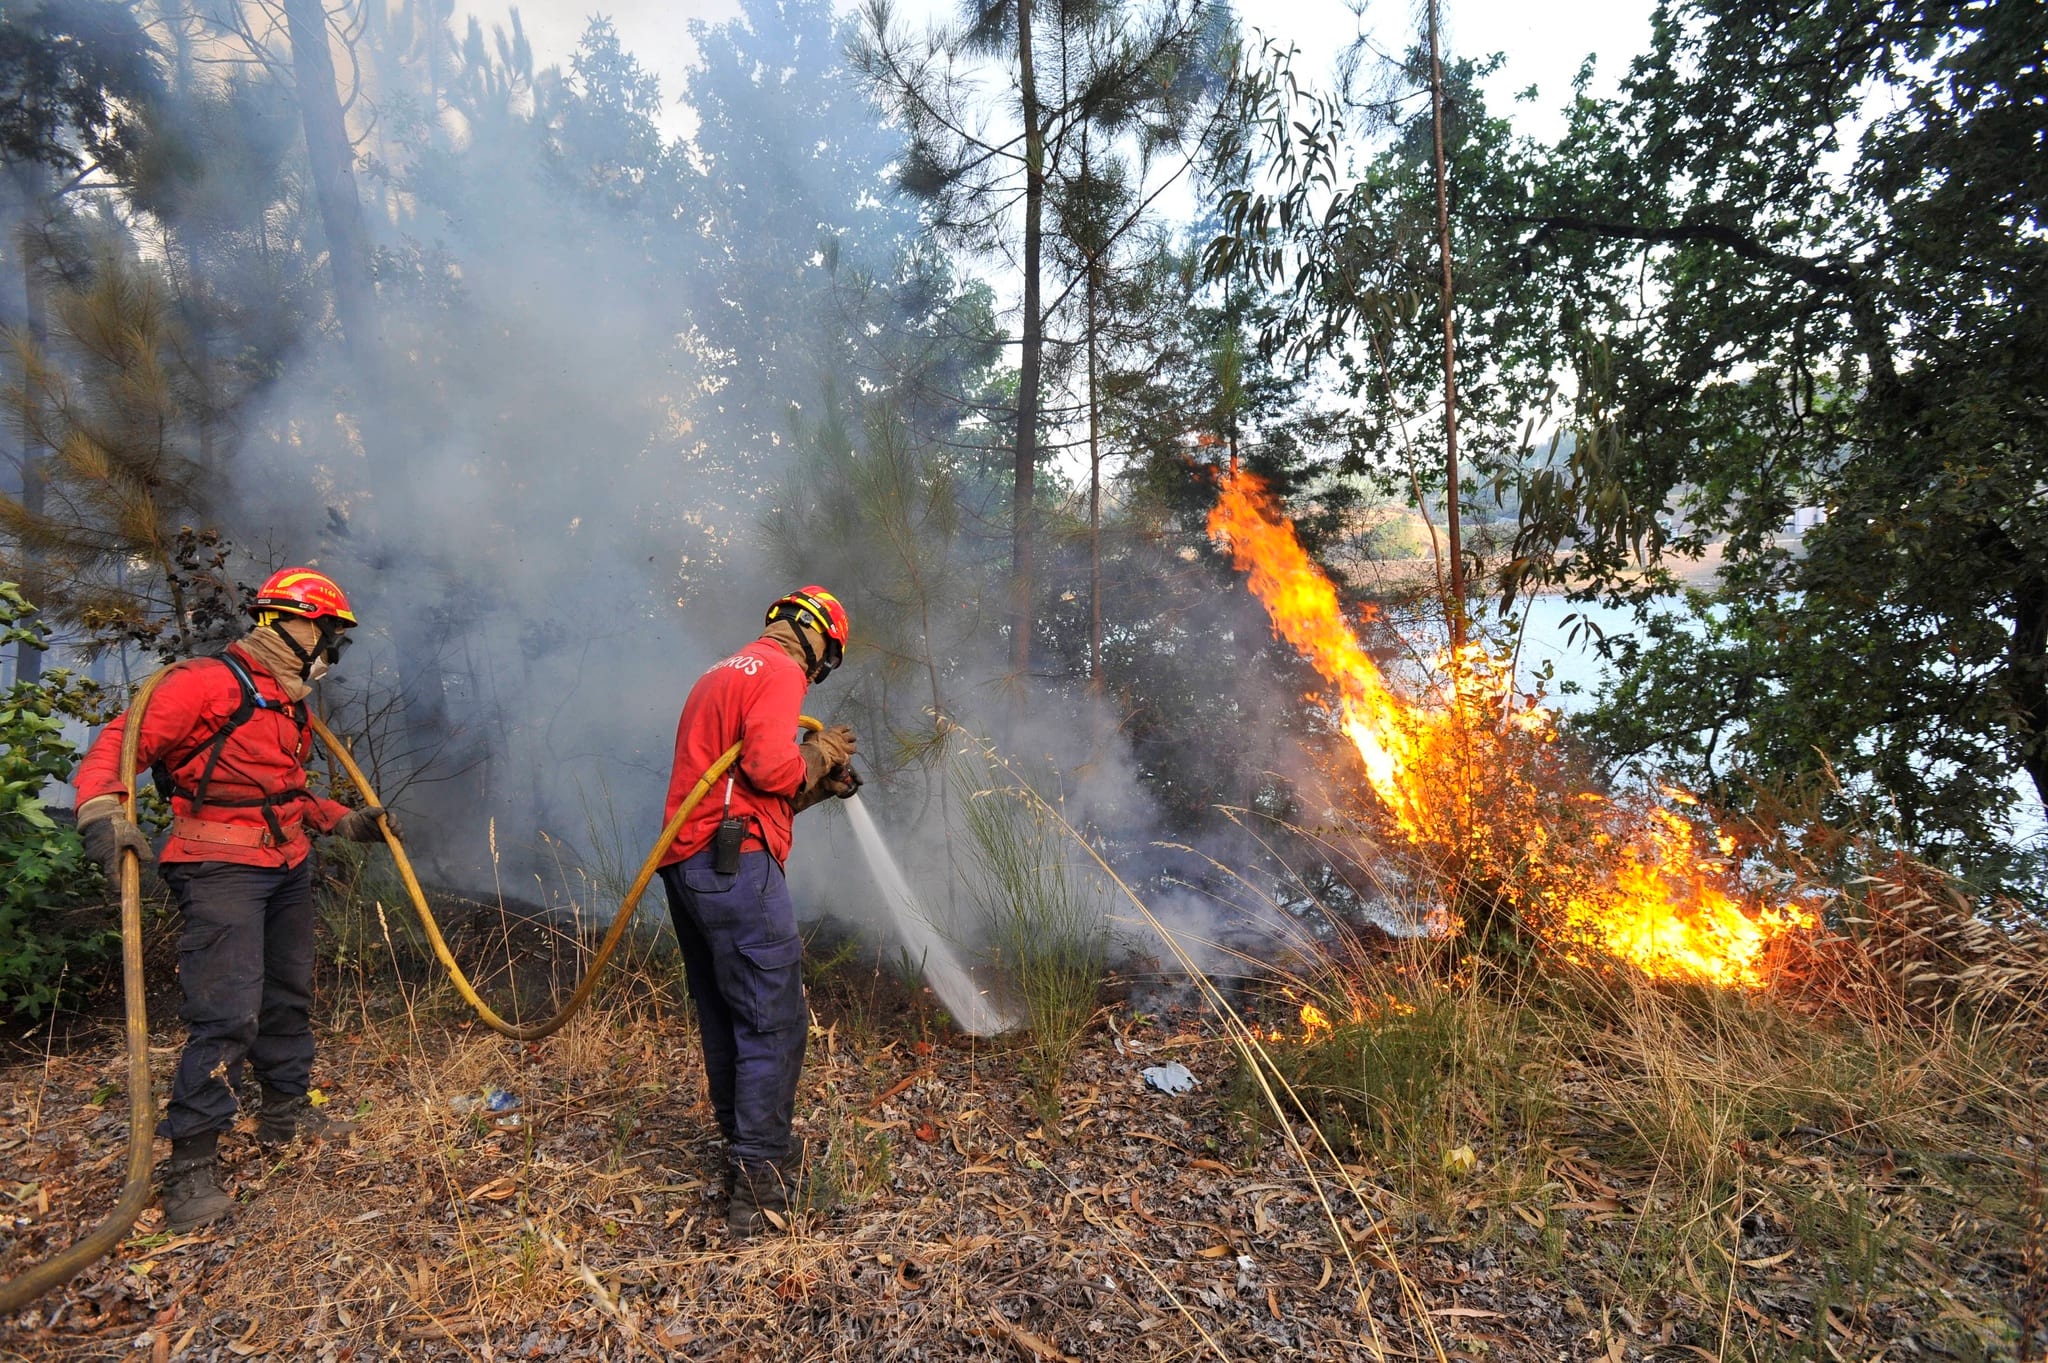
{"points": [[47, 870], [71, 76], [1387, 1080], [1775, 298], [114, 395]]}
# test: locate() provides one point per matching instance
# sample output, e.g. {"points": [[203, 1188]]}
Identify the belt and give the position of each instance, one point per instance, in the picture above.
{"points": [[230, 834]]}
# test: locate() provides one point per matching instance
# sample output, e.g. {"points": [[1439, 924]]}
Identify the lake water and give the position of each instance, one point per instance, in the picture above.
{"points": [[1557, 633]]}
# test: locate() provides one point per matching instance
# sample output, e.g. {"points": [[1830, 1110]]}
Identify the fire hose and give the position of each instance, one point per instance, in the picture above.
{"points": [[19, 1291], [628, 906]]}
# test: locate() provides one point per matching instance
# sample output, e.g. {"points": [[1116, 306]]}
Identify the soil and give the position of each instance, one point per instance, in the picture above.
{"points": [[979, 1218]]}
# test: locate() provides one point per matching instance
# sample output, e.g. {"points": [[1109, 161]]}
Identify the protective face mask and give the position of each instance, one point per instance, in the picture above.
{"points": [[318, 669]]}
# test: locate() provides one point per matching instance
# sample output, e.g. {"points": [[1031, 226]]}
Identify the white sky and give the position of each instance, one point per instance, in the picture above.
{"points": [[1543, 43], [1544, 40]]}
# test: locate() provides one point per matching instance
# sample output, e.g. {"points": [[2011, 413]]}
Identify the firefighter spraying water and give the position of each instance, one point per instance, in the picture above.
{"points": [[729, 899]]}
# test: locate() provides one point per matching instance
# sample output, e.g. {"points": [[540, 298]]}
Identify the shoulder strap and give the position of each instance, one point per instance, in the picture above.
{"points": [[251, 700], [247, 706]]}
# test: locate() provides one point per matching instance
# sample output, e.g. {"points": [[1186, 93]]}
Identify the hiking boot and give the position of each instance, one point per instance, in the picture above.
{"points": [[760, 1200], [766, 1192], [192, 1194], [285, 1115]]}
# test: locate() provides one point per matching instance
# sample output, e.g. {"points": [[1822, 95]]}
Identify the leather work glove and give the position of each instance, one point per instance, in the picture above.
{"points": [[107, 832], [361, 826], [822, 752], [835, 745]]}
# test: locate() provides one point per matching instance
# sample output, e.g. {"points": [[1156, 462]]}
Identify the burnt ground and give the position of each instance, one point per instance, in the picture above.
{"points": [[981, 1220]]}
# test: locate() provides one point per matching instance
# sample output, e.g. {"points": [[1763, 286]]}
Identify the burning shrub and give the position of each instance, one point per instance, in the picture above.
{"points": [[1471, 778]]}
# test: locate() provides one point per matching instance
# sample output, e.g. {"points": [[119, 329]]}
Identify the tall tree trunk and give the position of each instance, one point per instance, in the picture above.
{"points": [[432, 9], [424, 644], [1094, 487], [1455, 607], [1023, 494], [2027, 670], [188, 241], [35, 480], [332, 160]]}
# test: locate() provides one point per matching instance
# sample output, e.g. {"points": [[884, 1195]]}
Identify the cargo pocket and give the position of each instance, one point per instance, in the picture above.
{"points": [[703, 880], [766, 984]]}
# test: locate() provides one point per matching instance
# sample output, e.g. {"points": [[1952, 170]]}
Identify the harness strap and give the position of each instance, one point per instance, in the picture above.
{"points": [[251, 701]]}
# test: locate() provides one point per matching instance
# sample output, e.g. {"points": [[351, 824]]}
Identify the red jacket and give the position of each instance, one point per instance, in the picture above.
{"points": [[264, 756], [752, 698]]}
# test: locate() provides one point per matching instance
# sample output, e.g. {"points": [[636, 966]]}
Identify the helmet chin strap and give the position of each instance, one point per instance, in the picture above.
{"points": [[814, 667], [306, 660]]}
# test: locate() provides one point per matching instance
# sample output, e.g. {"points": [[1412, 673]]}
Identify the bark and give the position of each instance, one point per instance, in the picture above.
{"points": [[35, 481], [1094, 487], [1455, 605], [332, 160], [1023, 489], [2027, 666], [421, 639]]}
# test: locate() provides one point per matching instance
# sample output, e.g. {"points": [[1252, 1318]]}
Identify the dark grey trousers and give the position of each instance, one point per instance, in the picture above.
{"points": [[245, 963]]}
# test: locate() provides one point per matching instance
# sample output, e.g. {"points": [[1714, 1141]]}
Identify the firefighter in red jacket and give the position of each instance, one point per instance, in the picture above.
{"points": [[226, 739], [727, 895]]}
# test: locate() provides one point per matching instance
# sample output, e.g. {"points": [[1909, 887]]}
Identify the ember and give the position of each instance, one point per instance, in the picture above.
{"points": [[1468, 775]]}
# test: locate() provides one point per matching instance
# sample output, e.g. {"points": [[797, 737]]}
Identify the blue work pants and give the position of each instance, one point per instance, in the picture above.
{"points": [[744, 964]]}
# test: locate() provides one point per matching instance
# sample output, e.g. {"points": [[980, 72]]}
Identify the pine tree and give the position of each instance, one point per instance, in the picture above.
{"points": [[1074, 70], [114, 396]]}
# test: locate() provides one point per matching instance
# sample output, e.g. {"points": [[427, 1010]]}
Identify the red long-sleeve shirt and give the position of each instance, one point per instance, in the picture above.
{"points": [[754, 699], [265, 755]]}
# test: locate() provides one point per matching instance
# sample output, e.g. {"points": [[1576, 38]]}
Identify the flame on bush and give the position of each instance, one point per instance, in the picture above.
{"points": [[1471, 777]]}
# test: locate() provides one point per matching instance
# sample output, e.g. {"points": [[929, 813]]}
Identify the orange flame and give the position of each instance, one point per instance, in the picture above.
{"points": [[1467, 776]]}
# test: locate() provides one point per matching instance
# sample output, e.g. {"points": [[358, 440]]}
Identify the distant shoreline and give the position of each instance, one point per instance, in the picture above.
{"points": [[1407, 574]]}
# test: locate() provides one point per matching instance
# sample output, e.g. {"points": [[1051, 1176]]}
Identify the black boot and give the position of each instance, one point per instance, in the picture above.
{"points": [[765, 1193], [760, 1199], [285, 1115], [191, 1184]]}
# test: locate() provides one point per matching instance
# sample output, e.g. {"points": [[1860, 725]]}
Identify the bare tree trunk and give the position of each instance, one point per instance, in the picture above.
{"points": [[1094, 488], [1023, 494], [332, 160], [1455, 607], [425, 646], [432, 9], [35, 481], [188, 240]]}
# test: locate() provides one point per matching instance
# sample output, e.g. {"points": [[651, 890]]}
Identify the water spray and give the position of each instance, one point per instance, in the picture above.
{"points": [[972, 1009]]}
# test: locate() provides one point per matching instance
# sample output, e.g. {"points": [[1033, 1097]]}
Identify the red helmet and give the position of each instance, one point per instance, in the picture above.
{"points": [[819, 609], [303, 593]]}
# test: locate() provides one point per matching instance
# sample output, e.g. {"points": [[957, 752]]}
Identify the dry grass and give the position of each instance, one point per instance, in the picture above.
{"points": [[1464, 1162]]}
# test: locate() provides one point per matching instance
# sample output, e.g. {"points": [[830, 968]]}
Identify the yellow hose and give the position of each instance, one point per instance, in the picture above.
{"points": [[534, 1031], [18, 1292]]}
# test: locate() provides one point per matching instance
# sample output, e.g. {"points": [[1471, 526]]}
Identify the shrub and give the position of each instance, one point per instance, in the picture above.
{"points": [[47, 871], [1046, 919]]}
